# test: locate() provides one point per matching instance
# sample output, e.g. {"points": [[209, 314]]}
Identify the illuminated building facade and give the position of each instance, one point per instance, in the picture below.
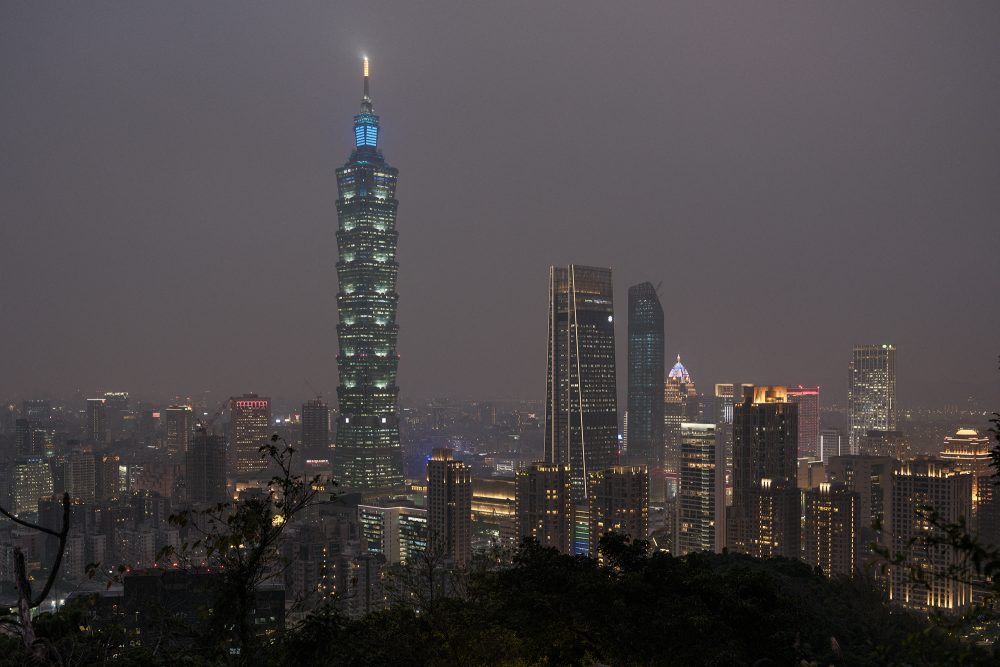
{"points": [[807, 398], [774, 519], [581, 403], [701, 493], [871, 477], [414, 537], [80, 476], [645, 375], [680, 404], [30, 479], [30, 439], [969, 450], [398, 533], [250, 427], [544, 504], [179, 423], [765, 446], [939, 484], [724, 395], [830, 532], [449, 506], [368, 453], [619, 503], [494, 512], [871, 399]]}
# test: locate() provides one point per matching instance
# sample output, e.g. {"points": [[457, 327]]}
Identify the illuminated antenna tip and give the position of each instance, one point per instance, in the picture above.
{"points": [[366, 65]]}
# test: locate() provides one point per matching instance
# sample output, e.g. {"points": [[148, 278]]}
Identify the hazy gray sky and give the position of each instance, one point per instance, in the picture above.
{"points": [[800, 177]]}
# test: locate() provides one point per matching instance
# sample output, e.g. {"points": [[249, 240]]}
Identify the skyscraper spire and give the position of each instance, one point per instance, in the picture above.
{"points": [[366, 122], [368, 454], [366, 101]]}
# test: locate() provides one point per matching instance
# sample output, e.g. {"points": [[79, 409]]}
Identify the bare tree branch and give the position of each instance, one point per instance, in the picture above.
{"points": [[54, 570], [28, 524]]}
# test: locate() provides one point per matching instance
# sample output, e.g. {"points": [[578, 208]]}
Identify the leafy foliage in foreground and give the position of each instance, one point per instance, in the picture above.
{"points": [[704, 609], [551, 609]]}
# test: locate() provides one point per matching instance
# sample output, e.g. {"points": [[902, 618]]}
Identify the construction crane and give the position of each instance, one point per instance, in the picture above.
{"points": [[204, 425], [319, 394]]}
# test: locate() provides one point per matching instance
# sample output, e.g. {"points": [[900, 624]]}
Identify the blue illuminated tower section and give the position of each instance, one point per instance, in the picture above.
{"points": [[367, 453]]}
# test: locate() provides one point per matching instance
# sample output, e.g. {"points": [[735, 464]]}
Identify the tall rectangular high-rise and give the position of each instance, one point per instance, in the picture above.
{"points": [[250, 428], [543, 504], [205, 469], [96, 429], [619, 503], [871, 477], [645, 374], [449, 507], [831, 529], [368, 453], [81, 476], [765, 446], [701, 493], [29, 438], [680, 404], [941, 485], [179, 421], [726, 397], [765, 443], [107, 476], [116, 410], [774, 520], [316, 429], [807, 398], [29, 479], [581, 402], [871, 397]]}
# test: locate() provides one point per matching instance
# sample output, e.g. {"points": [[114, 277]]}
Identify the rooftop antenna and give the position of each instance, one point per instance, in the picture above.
{"points": [[366, 101]]}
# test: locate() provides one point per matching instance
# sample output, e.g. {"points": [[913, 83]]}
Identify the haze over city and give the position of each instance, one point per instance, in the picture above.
{"points": [[277, 279], [797, 178]]}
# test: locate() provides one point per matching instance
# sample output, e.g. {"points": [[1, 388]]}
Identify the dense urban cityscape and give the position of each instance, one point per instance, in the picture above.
{"points": [[246, 527]]}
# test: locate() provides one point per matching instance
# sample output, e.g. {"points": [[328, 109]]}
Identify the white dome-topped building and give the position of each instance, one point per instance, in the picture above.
{"points": [[680, 374], [680, 404]]}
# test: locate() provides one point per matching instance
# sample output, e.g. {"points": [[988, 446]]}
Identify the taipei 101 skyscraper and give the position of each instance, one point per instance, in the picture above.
{"points": [[367, 454]]}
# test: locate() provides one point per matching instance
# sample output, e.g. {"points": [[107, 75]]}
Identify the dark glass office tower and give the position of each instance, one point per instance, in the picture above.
{"points": [[205, 469], [367, 453], [765, 456], [315, 429], [645, 374], [581, 405]]}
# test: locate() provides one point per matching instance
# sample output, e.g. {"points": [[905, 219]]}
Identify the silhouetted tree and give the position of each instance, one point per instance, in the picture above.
{"points": [[20, 617]]}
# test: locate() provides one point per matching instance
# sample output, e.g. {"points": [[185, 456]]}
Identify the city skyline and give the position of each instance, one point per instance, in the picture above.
{"points": [[815, 194], [206, 192]]}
